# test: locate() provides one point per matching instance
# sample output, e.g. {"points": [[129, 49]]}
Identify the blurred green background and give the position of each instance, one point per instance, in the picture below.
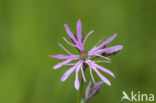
{"points": [[31, 29]]}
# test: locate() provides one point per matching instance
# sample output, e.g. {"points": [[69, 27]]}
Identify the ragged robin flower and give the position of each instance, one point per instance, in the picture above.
{"points": [[85, 57]]}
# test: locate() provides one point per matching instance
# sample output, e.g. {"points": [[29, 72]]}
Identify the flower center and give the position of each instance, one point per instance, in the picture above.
{"points": [[83, 56]]}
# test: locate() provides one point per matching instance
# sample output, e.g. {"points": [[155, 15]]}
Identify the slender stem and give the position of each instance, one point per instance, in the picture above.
{"points": [[80, 91], [79, 96]]}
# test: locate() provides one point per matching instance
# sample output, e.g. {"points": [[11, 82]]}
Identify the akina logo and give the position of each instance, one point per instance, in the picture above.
{"points": [[138, 96]]}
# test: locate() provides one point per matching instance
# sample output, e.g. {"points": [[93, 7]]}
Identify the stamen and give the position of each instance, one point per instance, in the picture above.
{"points": [[83, 56]]}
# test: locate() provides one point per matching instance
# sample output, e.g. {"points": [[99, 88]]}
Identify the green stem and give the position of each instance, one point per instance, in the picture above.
{"points": [[80, 91], [79, 96]]}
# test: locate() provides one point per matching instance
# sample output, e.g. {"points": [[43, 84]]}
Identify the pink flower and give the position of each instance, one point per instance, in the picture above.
{"points": [[85, 57]]}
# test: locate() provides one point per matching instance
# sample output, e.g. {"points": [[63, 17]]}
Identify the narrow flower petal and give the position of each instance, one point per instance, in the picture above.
{"points": [[78, 43], [92, 75], [65, 49], [68, 72], [79, 46], [62, 63], [102, 56], [110, 49], [94, 48], [64, 56], [79, 37], [77, 84], [105, 70], [102, 61], [79, 30], [83, 76], [68, 42], [104, 79], [87, 36], [105, 42], [102, 69], [71, 35], [114, 48], [71, 64]]}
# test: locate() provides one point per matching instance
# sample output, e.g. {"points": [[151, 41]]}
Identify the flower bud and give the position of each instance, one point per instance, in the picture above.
{"points": [[92, 90]]}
